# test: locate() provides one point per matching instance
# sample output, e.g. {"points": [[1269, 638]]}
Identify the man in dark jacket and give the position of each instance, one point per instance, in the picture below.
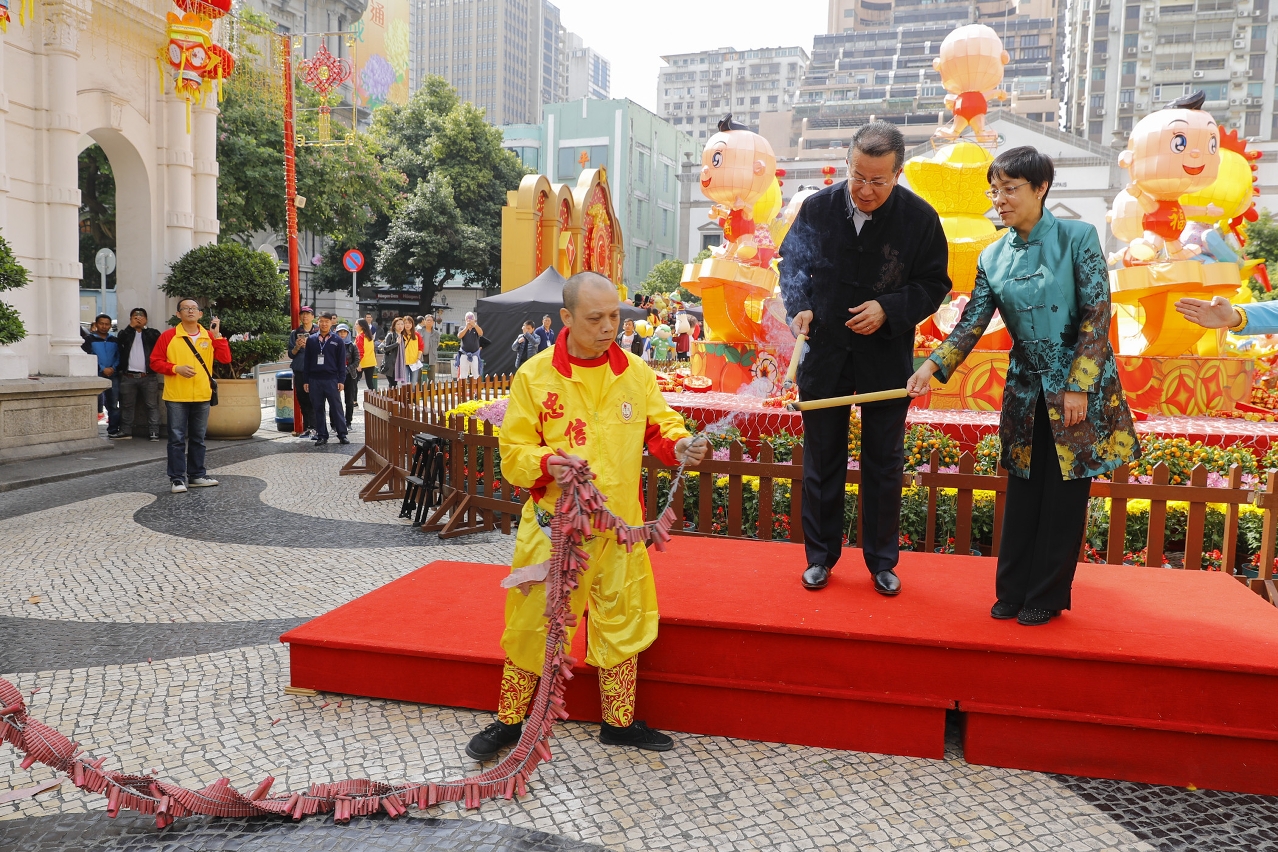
{"points": [[525, 345], [101, 343], [864, 263], [325, 379], [297, 351], [137, 379], [350, 393]]}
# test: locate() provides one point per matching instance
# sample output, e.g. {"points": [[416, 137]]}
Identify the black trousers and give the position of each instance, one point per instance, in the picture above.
{"points": [[350, 394], [304, 402], [1043, 528], [825, 464]]}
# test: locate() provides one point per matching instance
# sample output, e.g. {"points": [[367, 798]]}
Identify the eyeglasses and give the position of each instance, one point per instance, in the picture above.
{"points": [[873, 184], [189, 308], [993, 194]]}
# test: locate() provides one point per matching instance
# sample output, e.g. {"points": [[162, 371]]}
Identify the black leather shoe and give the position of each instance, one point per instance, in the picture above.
{"points": [[1035, 617], [816, 577], [1004, 611], [319, 442], [636, 735], [343, 441], [497, 736], [887, 583]]}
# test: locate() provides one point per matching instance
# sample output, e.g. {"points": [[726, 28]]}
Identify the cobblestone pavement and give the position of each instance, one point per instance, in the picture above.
{"points": [[203, 583]]}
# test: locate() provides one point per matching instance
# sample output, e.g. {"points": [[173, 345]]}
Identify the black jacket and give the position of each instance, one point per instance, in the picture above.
{"points": [[334, 351], [125, 341], [899, 259]]}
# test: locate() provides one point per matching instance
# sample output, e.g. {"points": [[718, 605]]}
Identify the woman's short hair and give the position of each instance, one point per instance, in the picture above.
{"points": [[1023, 163]]}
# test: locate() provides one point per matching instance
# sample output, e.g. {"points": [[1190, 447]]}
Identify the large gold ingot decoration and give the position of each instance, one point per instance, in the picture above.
{"points": [[1154, 288], [952, 180], [570, 227], [732, 296]]}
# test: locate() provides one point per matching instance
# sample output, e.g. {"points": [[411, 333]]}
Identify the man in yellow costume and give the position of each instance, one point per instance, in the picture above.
{"points": [[594, 401]]}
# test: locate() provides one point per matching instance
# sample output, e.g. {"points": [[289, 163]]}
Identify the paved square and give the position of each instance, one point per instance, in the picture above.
{"points": [[154, 639]]}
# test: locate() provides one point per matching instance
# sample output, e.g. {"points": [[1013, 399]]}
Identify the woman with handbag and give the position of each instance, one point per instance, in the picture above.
{"points": [[1065, 417], [390, 350]]}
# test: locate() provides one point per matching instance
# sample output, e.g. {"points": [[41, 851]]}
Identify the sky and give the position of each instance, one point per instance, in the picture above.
{"points": [[634, 35]]}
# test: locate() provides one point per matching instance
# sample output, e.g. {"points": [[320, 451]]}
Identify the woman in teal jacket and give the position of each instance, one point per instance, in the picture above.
{"points": [[1065, 418]]}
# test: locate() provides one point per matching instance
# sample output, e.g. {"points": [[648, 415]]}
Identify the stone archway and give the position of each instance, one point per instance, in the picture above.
{"points": [[136, 278]]}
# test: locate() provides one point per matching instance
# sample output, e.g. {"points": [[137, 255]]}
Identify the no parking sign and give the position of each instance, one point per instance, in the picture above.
{"points": [[353, 261]]}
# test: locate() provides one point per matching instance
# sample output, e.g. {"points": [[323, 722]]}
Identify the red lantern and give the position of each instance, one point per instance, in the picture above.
{"points": [[780, 173], [829, 182]]}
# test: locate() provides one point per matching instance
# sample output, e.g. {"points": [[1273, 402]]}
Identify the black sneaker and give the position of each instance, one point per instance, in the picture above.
{"points": [[153, 437], [1003, 610], [497, 736], [343, 440], [636, 735], [1035, 617]]}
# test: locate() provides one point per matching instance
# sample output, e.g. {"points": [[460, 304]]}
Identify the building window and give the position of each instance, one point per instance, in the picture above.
{"points": [[1129, 69], [1097, 101], [1098, 73], [1126, 96], [1125, 123], [740, 101], [711, 240], [573, 160], [1209, 64], [1094, 130], [1029, 41], [1101, 46], [665, 222]]}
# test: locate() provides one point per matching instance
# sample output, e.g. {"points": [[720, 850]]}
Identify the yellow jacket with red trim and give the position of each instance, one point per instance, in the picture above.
{"points": [[550, 409], [170, 351]]}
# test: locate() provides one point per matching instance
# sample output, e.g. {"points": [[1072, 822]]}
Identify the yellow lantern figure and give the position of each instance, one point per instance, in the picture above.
{"points": [[971, 64], [737, 169], [1171, 152]]}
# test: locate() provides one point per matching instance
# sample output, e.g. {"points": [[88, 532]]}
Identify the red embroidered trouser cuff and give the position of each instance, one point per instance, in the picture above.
{"points": [[617, 693], [517, 690]]}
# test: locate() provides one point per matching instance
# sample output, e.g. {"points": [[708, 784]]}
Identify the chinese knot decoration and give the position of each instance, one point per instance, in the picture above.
{"points": [[196, 61], [324, 72]]}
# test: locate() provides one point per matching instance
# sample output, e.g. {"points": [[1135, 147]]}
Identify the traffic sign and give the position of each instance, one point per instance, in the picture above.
{"points": [[353, 260], [104, 260]]}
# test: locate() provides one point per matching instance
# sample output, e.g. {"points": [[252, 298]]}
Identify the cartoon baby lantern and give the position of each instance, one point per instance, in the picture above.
{"points": [[1171, 152], [737, 168], [971, 64]]}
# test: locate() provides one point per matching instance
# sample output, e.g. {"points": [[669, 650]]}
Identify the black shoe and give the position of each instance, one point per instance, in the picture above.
{"points": [[1034, 617], [497, 736], [343, 440], [887, 583], [636, 735], [319, 442], [153, 437], [816, 577], [1003, 611]]}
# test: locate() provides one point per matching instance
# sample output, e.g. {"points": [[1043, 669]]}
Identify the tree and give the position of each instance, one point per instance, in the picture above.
{"points": [[245, 290], [345, 186], [97, 209], [13, 275], [666, 276], [447, 224], [1262, 241]]}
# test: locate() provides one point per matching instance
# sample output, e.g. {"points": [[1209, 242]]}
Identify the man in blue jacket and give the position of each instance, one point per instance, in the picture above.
{"points": [[102, 343], [325, 379]]}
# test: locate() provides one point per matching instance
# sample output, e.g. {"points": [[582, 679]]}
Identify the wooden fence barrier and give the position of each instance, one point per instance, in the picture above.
{"points": [[478, 499]]}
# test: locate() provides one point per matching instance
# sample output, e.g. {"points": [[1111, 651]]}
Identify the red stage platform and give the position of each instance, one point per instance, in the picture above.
{"points": [[1157, 675]]}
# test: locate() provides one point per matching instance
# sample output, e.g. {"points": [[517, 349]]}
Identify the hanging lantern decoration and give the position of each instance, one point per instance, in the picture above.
{"points": [[324, 72], [197, 63]]}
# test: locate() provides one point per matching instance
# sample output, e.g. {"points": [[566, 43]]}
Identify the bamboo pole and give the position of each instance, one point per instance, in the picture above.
{"points": [[854, 399], [793, 370]]}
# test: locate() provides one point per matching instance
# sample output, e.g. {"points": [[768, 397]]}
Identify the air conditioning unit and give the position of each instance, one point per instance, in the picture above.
{"points": [[1100, 111], [1131, 51], [1198, 75], [1246, 101], [1149, 17], [1144, 78], [1258, 13], [1243, 13], [1250, 72], [1146, 48], [1233, 102], [1240, 43], [1235, 73], [1140, 105], [1114, 28], [1101, 57]]}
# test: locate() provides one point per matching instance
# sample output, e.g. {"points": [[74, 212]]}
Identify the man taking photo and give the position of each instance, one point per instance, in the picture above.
{"points": [[137, 379], [185, 354]]}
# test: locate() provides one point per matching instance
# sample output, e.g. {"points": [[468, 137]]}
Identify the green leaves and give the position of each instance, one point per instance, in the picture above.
{"points": [[13, 276], [245, 290]]}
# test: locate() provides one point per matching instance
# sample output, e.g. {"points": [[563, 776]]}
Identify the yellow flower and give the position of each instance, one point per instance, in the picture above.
{"points": [[1084, 372]]}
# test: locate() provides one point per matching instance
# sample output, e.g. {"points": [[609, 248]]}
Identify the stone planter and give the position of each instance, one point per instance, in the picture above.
{"points": [[48, 416], [238, 413]]}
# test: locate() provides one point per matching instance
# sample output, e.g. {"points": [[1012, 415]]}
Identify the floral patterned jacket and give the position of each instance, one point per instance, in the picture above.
{"points": [[1052, 291]]}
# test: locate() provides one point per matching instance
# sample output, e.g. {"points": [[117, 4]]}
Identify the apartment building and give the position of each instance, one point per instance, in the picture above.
{"points": [[876, 62], [695, 90], [589, 73], [1125, 59]]}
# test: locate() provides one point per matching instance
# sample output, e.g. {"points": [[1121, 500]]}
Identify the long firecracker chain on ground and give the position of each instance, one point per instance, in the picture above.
{"points": [[579, 512]]}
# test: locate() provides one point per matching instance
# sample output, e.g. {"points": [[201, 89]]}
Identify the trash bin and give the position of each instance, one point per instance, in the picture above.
{"points": [[284, 400]]}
